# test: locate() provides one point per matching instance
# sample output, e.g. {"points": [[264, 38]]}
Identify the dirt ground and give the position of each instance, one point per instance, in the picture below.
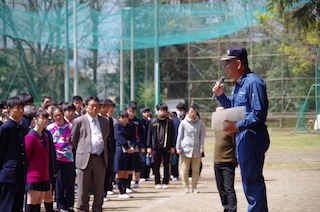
{"points": [[288, 189]]}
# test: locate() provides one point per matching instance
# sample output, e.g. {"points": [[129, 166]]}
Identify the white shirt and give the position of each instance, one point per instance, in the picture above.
{"points": [[96, 135]]}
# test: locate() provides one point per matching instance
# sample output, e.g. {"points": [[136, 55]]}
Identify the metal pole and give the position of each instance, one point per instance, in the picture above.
{"points": [[132, 58], [75, 50], [67, 71], [189, 84], [317, 71], [121, 63], [156, 54]]}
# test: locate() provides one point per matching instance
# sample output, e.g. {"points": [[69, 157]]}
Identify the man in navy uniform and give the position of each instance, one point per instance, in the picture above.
{"points": [[252, 136]]}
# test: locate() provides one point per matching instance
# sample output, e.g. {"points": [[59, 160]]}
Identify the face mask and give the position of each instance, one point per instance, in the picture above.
{"points": [[180, 113], [28, 109]]}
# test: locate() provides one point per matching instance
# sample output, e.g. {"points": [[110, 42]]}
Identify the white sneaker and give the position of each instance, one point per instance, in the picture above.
{"points": [[142, 179], [186, 190], [158, 186], [174, 179], [165, 186], [125, 196], [115, 186], [106, 199], [194, 190], [136, 185], [111, 192], [129, 191], [190, 178]]}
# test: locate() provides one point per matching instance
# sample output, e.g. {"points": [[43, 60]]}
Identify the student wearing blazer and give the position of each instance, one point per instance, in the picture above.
{"points": [[89, 137]]}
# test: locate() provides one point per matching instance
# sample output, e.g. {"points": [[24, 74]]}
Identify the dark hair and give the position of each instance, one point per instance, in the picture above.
{"points": [[48, 104], [26, 97], [163, 106], [68, 106], [198, 114], [110, 102], [41, 112], [3, 104], [5, 114], [191, 107], [37, 114], [132, 106], [181, 106], [134, 103], [57, 108], [45, 97], [123, 114], [75, 98], [103, 102], [244, 62], [13, 101], [83, 111], [59, 102], [94, 98], [172, 114]]}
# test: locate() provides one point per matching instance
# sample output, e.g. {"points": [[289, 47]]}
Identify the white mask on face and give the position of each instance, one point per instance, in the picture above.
{"points": [[180, 113], [28, 109]]}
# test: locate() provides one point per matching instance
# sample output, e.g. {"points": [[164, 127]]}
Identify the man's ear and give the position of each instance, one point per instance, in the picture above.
{"points": [[239, 64]]}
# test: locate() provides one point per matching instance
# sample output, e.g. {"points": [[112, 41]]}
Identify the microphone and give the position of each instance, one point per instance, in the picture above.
{"points": [[221, 80]]}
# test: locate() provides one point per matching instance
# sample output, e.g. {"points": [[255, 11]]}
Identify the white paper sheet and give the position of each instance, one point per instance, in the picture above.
{"points": [[233, 114]]}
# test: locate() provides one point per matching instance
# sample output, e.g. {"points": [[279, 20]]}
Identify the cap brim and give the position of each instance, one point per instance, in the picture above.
{"points": [[227, 58]]}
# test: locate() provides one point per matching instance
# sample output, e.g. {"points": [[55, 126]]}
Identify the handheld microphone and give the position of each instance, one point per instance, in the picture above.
{"points": [[221, 80]]}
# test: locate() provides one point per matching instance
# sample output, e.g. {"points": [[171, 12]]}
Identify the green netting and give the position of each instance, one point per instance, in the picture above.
{"points": [[180, 23]]}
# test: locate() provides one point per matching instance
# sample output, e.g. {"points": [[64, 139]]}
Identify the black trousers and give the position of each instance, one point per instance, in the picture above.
{"points": [[65, 185], [11, 196], [109, 177], [159, 156], [225, 183]]}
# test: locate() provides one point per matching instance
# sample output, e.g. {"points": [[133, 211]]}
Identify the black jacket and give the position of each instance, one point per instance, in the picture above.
{"points": [[13, 164], [156, 139]]}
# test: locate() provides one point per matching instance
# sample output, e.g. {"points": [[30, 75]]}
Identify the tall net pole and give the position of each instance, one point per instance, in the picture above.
{"points": [[156, 54]]}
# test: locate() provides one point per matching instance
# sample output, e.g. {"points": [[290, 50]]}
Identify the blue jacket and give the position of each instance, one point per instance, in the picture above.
{"points": [[249, 91]]}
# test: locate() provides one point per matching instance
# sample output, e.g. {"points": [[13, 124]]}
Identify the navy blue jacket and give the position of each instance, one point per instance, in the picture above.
{"points": [[13, 163], [140, 133], [111, 143], [123, 134]]}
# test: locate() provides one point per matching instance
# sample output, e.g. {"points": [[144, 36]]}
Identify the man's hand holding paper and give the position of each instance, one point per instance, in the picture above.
{"points": [[226, 119]]}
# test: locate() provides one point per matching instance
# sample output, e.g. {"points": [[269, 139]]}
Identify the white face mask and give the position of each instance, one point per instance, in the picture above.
{"points": [[28, 109], [180, 113]]}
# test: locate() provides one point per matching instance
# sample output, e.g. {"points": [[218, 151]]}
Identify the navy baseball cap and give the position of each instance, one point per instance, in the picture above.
{"points": [[235, 53], [144, 109]]}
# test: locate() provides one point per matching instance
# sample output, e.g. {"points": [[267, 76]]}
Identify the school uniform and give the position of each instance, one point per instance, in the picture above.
{"points": [[13, 166], [37, 152], [109, 178], [161, 138], [123, 134]]}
